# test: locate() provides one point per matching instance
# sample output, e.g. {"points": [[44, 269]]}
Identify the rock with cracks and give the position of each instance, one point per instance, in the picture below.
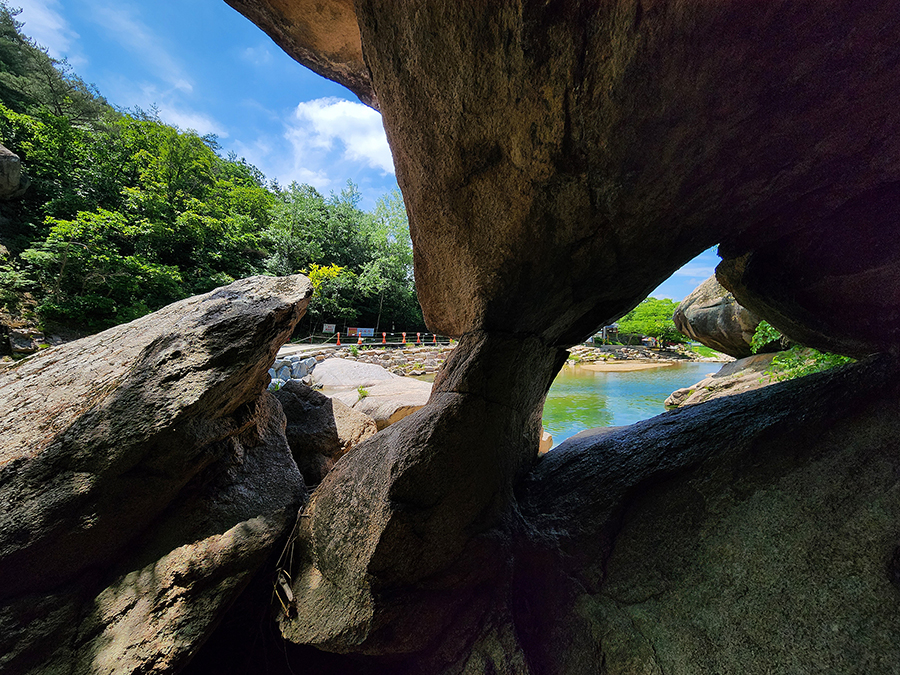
{"points": [[320, 430], [558, 160], [616, 142], [768, 518], [389, 401], [736, 377], [143, 478]]}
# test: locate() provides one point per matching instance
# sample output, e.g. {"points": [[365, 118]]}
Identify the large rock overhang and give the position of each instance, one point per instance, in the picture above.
{"points": [[558, 160]]}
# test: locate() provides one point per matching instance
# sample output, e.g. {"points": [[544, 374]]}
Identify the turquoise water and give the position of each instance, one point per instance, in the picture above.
{"points": [[583, 399]]}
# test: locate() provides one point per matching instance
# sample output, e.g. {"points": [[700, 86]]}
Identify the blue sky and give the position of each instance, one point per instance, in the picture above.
{"points": [[205, 67]]}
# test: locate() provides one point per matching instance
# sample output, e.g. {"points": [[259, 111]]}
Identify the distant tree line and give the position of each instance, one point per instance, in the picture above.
{"points": [[126, 214], [651, 318]]}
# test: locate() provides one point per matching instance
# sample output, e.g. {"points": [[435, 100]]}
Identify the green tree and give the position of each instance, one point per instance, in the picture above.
{"points": [[126, 213], [373, 249], [388, 274], [31, 80], [652, 318], [90, 273]]}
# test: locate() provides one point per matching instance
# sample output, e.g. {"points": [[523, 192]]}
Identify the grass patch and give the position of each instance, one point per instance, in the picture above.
{"points": [[705, 351]]}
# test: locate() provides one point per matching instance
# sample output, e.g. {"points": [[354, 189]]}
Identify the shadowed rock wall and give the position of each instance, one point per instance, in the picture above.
{"points": [[558, 160], [617, 141], [756, 534]]}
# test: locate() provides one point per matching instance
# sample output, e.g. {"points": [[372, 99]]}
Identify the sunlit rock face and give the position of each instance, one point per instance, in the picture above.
{"points": [[323, 36], [712, 316]]}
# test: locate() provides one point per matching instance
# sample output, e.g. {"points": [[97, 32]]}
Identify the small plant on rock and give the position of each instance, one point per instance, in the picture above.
{"points": [[765, 334], [362, 391], [796, 361]]}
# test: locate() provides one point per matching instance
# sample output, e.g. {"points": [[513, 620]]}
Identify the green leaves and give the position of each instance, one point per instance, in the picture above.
{"points": [[373, 251], [796, 361], [652, 318], [89, 273], [126, 214], [765, 334]]}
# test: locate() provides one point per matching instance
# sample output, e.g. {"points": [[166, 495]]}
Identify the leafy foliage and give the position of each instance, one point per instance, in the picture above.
{"points": [[764, 335], [705, 351], [126, 214], [652, 318], [799, 361], [796, 361]]}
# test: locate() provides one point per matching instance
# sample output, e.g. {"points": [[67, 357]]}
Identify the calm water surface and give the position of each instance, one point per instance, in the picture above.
{"points": [[583, 399]]}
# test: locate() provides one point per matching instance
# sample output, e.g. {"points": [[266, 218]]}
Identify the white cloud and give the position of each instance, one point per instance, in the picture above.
{"points": [[258, 56], [352, 129], [187, 119], [323, 143], [136, 37], [696, 271], [44, 23], [278, 163]]}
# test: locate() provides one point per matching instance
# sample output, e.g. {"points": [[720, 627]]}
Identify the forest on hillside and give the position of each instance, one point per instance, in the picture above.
{"points": [[126, 214]]}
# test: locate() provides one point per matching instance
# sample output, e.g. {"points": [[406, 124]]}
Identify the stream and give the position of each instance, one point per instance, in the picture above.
{"points": [[582, 399]]}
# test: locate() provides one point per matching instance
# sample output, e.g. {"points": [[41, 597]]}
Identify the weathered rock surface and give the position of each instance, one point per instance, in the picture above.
{"points": [[388, 401], [634, 549], [13, 182], [404, 531], [594, 139], [712, 316], [832, 283], [143, 477], [320, 430], [337, 372], [388, 398], [764, 524], [558, 160], [24, 341], [736, 377]]}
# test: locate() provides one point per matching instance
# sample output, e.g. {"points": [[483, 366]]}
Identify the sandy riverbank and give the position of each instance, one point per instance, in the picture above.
{"points": [[625, 366]]}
